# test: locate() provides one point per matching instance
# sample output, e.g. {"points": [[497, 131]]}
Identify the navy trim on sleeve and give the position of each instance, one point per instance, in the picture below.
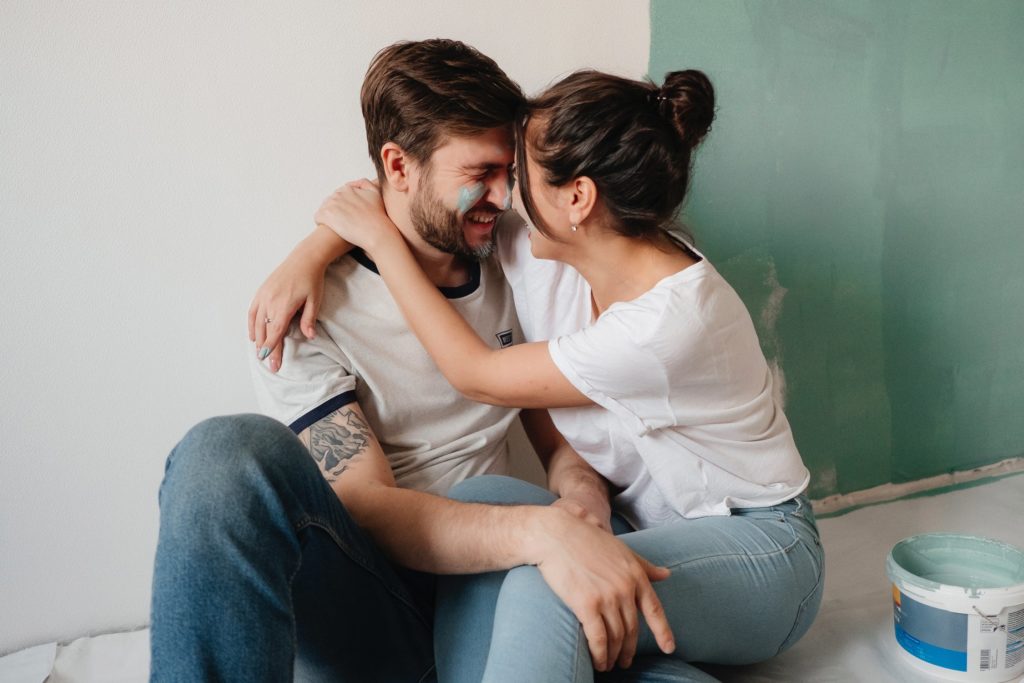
{"points": [[323, 410], [449, 292]]}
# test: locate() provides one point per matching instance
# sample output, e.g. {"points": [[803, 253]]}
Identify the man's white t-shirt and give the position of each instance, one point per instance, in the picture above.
{"points": [[685, 424], [363, 351]]}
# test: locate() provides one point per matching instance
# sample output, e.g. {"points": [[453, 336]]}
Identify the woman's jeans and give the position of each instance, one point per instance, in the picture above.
{"points": [[261, 575], [743, 589]]}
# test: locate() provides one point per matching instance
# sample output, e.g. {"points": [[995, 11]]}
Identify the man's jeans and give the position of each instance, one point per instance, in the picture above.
{"points": [[259, 569], [261, 575]]}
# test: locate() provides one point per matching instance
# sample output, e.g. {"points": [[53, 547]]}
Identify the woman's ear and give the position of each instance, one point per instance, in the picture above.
{"points": [[582, 198], [396, 166]]}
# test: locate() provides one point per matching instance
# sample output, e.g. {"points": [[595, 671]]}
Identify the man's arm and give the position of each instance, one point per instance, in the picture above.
{"points": [[597, 576], [581, 490], [416, 529]]}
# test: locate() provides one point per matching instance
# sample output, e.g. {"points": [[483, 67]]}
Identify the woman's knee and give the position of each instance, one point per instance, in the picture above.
{"points": [[496, 489]]}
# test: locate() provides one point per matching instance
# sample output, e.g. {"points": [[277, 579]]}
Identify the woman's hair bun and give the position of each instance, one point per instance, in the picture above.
{"points": [[687, 99]]}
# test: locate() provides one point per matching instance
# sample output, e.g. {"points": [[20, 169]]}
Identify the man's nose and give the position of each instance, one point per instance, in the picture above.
{"points": [[499, 191]]}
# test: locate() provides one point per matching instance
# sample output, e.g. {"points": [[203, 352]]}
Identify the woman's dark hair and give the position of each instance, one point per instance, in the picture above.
{"points": [[632, 138]]}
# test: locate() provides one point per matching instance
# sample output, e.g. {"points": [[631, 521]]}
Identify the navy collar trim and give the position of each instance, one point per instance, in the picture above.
{"points": [[449, 292]]}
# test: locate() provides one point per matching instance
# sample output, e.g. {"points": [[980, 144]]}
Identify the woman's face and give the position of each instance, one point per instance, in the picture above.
{"points": [[551, 205]]}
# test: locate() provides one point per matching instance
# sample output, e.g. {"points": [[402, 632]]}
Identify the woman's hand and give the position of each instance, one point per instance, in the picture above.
{"points": [[605, 584], [297, 283], [355, 212]]}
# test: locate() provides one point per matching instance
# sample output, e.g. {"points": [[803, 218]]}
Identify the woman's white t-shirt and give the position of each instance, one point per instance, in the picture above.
{"points": [[685, 424]]}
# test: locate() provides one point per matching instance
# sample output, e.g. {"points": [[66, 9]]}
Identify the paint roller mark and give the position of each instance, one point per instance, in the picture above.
{"points": [[825, 479], [769, 319], [469, 195]]}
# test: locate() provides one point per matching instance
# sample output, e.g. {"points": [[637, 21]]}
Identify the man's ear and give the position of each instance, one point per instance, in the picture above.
{"points": [[396, 166], [582, 198]]}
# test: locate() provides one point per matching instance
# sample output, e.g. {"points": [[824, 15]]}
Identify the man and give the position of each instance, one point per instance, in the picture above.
{"points": [[261, 572]]}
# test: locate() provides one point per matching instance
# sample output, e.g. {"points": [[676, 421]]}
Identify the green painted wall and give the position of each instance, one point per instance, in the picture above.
{"points": [[863, 189]]}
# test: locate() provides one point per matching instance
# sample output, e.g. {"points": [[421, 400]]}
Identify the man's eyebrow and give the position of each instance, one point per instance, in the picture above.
{"points": [[484, 167]]}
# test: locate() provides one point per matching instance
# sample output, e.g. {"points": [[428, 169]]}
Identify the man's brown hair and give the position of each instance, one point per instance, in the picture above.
{"points": [[417, 93]]}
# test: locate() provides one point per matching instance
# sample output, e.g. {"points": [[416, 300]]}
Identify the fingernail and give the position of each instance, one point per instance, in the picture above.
{"points": [[264, 352], [274, 367]]}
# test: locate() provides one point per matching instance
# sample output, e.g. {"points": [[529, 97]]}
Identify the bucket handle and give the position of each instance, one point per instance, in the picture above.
{"points": [[1010, 638]]}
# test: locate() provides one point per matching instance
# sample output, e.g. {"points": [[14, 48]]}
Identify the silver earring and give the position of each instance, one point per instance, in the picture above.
{"points": [[574, 227]]}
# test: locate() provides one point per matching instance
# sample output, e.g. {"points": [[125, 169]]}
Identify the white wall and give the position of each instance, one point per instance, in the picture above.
{"points": [[156, 160]]}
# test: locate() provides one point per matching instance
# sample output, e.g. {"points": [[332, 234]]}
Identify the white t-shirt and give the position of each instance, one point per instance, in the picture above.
{"points": [[363, 351], [685, 423]]}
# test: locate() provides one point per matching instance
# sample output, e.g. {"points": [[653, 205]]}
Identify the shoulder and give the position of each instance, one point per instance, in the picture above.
{"points": [[683, 318]]}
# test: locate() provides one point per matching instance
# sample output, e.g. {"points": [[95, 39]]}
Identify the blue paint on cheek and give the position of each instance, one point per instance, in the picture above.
{"points": [[470, 195]]}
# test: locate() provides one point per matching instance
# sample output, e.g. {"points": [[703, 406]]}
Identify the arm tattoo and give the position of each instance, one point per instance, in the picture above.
{"points": [[336, 439]]}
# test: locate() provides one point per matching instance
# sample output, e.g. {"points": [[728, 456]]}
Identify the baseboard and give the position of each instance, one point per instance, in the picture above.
{"points": [[844, 502]]}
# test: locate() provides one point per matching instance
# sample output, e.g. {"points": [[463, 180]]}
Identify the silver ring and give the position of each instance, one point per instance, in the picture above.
{"points": [[268, 321]]}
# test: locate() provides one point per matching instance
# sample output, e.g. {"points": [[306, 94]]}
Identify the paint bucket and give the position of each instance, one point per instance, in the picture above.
{"points": [[958, 606]]}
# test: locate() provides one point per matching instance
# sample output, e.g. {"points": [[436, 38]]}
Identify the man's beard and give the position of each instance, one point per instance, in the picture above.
{"points": [[441, 227]]}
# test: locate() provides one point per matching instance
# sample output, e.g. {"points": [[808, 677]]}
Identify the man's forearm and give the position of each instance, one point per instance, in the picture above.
{"points": [[434, 534]]}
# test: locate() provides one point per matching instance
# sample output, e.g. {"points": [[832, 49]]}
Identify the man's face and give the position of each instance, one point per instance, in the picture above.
{"points": [[464, 186]]}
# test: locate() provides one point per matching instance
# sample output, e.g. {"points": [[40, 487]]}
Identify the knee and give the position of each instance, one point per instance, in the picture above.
{"points": [[526, 580], [500, 490], [217, 456], [525, 590]]}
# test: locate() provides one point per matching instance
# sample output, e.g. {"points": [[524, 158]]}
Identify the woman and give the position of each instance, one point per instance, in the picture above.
{"points": [[653, 372]]}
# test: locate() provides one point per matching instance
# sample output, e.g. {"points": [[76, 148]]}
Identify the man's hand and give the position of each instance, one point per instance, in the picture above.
{"points": [[604, 583], [591, 508]]}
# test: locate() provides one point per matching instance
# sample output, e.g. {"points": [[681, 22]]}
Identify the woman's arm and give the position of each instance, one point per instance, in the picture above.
{"points": [[297, 283], [524, 375], [580, 489]]}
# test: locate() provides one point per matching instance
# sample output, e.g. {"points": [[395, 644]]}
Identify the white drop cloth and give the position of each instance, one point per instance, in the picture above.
{"points": [[851, 641]]}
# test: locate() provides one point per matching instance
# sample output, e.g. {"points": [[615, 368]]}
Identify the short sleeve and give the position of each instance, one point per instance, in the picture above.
{"points": [[315, 379], [608, 364]]}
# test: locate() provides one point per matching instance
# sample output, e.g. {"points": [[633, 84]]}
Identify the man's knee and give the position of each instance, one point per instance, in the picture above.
{"points": [[217, 457], [500, 490]]}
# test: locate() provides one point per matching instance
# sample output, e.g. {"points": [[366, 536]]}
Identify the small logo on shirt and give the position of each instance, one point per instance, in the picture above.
{"points": [[504, 338]]}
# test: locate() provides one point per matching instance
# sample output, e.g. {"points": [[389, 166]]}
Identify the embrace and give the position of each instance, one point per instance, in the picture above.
{"points": [[370, 531]]}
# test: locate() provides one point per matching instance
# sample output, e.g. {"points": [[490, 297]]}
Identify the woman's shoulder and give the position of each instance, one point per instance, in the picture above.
{"points": [[685, 297], [685, 316]]}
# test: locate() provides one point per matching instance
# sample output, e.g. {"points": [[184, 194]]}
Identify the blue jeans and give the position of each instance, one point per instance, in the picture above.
{"points": [[261, 575], [743, 589]]}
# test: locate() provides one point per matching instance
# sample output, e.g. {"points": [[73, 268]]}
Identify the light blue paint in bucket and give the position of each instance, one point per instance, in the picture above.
{"points": [[958, 606]]}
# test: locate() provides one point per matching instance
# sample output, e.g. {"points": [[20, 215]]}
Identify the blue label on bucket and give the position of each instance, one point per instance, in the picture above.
{"points": [[931, 634], [939, 656]]}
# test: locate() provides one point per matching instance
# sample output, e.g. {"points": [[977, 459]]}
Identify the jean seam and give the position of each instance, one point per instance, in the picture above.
{"points": [[803, 603], [355, 557], [291, 607], [752, 556], [311, 520], [427, 673]]}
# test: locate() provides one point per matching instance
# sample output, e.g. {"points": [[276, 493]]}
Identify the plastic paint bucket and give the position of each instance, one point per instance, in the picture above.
{"points": [[958, 606]]}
